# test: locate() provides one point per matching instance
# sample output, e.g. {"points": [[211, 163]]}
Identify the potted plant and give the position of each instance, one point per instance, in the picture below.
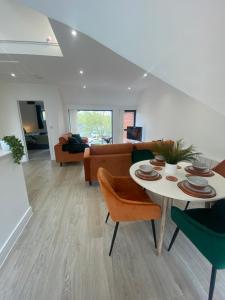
{"points": [[174, 153], [15, 146]]}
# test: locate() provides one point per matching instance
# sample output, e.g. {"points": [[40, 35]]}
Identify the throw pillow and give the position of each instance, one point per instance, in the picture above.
{"points": [[74, 148], [73, 140], [77, 137], [139, 155]]}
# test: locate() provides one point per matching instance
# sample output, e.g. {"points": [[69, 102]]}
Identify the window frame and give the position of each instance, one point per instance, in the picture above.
{"points": [[133, 111]]}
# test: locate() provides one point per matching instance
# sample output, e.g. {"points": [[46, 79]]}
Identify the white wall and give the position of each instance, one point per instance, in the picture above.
{"points": [[165, 112], [181, 42], [15, 210], [102, 99], [10, 122]]}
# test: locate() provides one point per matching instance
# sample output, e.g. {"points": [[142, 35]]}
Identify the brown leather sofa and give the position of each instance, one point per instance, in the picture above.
{"points": [[116, 158], [62, 156]]}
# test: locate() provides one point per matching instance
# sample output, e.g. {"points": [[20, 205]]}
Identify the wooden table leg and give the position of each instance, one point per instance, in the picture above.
{"points": [[162, 225]]}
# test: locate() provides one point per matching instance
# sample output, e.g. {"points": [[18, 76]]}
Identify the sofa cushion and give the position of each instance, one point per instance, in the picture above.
{"points": [[74, 148], [77, 137], [145, 146], [150, 145], [111, 149], [139, 155], [73, 140]]}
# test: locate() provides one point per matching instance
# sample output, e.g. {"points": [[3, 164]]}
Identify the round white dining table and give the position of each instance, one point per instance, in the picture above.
{"points": [[169, 190]]}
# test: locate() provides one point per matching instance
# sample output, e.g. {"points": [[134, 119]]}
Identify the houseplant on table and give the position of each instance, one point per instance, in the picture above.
{"points": [[15, 146], [174, 153]]}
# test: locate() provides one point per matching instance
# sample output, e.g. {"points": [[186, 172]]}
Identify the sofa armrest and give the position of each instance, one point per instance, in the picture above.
{"points": [[58, 152], [86, 162]]}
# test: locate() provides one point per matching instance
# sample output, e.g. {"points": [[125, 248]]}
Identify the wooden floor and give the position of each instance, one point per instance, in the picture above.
{"points": [[39, 154], [63, 252]]}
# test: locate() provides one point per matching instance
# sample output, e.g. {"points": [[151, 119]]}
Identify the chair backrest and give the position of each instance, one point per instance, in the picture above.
{"points": [[107, 186], [142, 154], [220, 168]]}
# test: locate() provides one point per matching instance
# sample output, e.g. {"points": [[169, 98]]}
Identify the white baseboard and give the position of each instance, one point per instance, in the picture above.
{"points": [[14, 236]]}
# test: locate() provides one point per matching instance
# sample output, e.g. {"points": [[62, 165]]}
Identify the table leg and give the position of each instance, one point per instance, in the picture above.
{"points": [[162, 225]]}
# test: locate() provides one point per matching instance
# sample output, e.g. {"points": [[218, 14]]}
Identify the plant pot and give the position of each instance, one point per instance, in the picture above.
{"points": [[170, 169], [4, 146]]}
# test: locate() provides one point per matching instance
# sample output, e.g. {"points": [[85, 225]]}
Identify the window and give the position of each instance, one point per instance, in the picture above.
{"points": [[129, 119], [94, 124]]}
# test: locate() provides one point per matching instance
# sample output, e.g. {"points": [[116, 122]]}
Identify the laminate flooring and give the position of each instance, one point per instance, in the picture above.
{"points": [[63, 252]]}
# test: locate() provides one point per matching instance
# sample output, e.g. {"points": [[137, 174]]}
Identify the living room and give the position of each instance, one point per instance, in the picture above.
{"points": [[74, 65]]}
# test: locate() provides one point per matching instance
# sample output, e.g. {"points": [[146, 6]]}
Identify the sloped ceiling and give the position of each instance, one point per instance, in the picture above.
{"points": [[104, 71], [181, 42]]}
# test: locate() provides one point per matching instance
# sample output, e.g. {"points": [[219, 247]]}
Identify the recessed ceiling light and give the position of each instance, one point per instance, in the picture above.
{"points": [[129, 88], [145, 75], [74, 32], [13, 74], [84, 86], [81, 72], [49, 39]]}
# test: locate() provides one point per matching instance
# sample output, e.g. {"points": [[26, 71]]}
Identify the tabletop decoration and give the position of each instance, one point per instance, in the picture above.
{"points": [[174, 153], [205, 192], [150, 177], [172, 178], [155, 162], [203, 173], [157, 168]]}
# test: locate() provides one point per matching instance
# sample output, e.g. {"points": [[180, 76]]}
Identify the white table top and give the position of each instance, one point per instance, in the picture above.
{"points": [[170, 189]]}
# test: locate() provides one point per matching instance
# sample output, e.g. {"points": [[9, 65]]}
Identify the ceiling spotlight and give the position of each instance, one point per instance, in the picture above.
{"points": [[129, 88], [81, 72], [145, 75], [74, 32], [49, 39], [13, 74], [84, 86]]}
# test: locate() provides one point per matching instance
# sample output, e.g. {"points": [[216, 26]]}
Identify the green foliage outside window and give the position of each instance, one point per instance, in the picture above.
{"points": [[94, 124]]}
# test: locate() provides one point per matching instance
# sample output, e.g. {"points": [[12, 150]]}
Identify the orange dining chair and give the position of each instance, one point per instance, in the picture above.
{"points": [[126, 201], [220, 168]]}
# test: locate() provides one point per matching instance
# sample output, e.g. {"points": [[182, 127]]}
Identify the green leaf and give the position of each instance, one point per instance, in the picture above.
{"points": [[175, 152]]}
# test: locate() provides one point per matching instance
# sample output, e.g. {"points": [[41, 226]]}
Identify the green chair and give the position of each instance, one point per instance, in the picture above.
{"points": [[205, 227], [142, 154]]}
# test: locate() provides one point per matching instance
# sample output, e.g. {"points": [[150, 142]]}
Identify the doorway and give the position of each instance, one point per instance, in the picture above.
{"points": [[33, 118], [129, 119]]}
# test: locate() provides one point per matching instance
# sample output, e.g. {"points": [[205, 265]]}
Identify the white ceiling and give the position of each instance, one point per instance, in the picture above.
{"points": [[181, 42], [103, 69]]}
